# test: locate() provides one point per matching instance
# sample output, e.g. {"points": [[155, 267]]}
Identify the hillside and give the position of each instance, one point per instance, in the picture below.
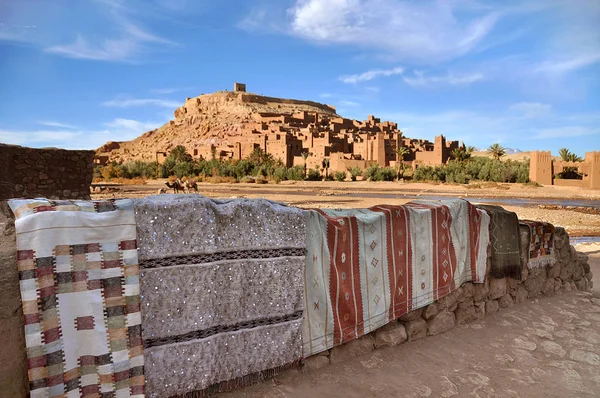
{"points": [[208, 119]]}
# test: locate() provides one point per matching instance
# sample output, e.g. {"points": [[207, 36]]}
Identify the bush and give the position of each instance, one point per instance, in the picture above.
{"points": [[247, 180], [314, 175], [340, 176], [295, 173], [183, 169], [479, 168], [386, 174], [355, 172], [370, 173]]}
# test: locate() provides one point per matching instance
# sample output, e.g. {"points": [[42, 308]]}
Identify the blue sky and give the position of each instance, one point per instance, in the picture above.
{"points": [[75, 74]]}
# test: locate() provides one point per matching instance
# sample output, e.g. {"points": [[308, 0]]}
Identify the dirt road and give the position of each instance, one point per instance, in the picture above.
{"points": [[548, 347]]}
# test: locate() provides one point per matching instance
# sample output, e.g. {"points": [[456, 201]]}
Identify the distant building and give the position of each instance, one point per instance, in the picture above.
{"points": [[542, 170]]}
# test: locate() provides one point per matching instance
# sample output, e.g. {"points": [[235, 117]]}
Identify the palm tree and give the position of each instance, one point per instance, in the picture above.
{"points": [[497, 151], [462, 154], [568, 156], [400, 153], [305, 156], [326, 167]]}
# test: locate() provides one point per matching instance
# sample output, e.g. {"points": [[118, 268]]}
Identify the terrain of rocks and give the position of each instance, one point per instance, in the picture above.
{"points": [[207, 119]]}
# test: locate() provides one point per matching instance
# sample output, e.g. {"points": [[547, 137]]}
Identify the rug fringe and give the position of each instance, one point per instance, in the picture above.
{"points": [[240, 382], [540, 262]]}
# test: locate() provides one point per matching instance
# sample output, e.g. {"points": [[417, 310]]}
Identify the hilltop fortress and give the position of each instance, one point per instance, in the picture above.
{"points": [[230, 125]]}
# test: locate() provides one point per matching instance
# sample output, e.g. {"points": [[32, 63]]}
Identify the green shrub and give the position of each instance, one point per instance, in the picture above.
{"points": [[386, 174], [355, 172], [295, 173], [314, 175], [340, 176], [279, 174]]}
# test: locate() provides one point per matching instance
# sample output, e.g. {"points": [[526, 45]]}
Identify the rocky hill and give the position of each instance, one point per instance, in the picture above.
{"points": [[208, 119]]}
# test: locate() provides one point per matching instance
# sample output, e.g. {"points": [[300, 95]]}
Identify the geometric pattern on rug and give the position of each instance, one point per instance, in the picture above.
{"points": [[80, 295]]}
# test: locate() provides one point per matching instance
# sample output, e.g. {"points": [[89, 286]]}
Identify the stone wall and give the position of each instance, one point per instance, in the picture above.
{"points": [[473, 301], [51, 173], [13, 361], [466, 304]]}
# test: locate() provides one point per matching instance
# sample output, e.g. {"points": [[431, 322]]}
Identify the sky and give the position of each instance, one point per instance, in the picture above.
{"points": [[526, 74]]}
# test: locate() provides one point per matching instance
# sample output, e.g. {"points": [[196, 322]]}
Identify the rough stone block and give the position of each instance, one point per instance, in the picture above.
{"points": [[581, 284], [411, 316], [468, 290], [440, 323], [416, 329], [497, 288], [390, 335], [553, 271], [567, 287], [480, 291], [535, 282], [351, 349], [557, 284], [451, 299], [465, 312], [548, 288], [430, 311], [506, 301], [480, 310], [511, 286], [521, 294], [492, 306]]}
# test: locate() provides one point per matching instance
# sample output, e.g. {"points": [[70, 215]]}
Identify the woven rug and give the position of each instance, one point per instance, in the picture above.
{"points": [[541, 243], [504, 232], [222, 291], [367, 267], [79, 280]]}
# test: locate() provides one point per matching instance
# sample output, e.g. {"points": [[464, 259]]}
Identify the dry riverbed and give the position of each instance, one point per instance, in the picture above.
{"points": [[576, 209]]}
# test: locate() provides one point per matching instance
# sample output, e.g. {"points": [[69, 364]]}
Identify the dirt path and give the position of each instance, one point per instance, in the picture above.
{"points": [[544, 348]]}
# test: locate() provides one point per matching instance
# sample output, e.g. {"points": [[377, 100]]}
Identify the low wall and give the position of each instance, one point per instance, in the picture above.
{"points": [[51, 173], [473, 301], [571, 183], [469, 302]]}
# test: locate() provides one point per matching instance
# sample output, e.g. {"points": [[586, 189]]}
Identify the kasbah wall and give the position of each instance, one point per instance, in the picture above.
{"points": [[542, 170], [50, 173]]}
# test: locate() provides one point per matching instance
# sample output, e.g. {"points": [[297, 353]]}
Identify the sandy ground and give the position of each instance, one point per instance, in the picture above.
{"points": [[579, 214], [548, 347]]}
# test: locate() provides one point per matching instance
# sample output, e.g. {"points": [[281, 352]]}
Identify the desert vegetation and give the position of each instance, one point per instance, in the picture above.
{"points": [[261, 167]]}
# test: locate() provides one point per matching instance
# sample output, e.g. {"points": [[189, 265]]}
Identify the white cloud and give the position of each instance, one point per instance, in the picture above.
{"points": [[348, 103], [129, 43], [531, 109], [56, 124], [566, 132], [170, 90], [133, 126], [16, 33], [563, 66], [127, 102], [116, 130], [370, 75], [422, 31], [421, 79]]}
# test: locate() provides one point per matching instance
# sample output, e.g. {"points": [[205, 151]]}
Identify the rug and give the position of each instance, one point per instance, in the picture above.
{"points": [[367, 267], [541, 243], [79, 280], [504, 233], [222, 287]]}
